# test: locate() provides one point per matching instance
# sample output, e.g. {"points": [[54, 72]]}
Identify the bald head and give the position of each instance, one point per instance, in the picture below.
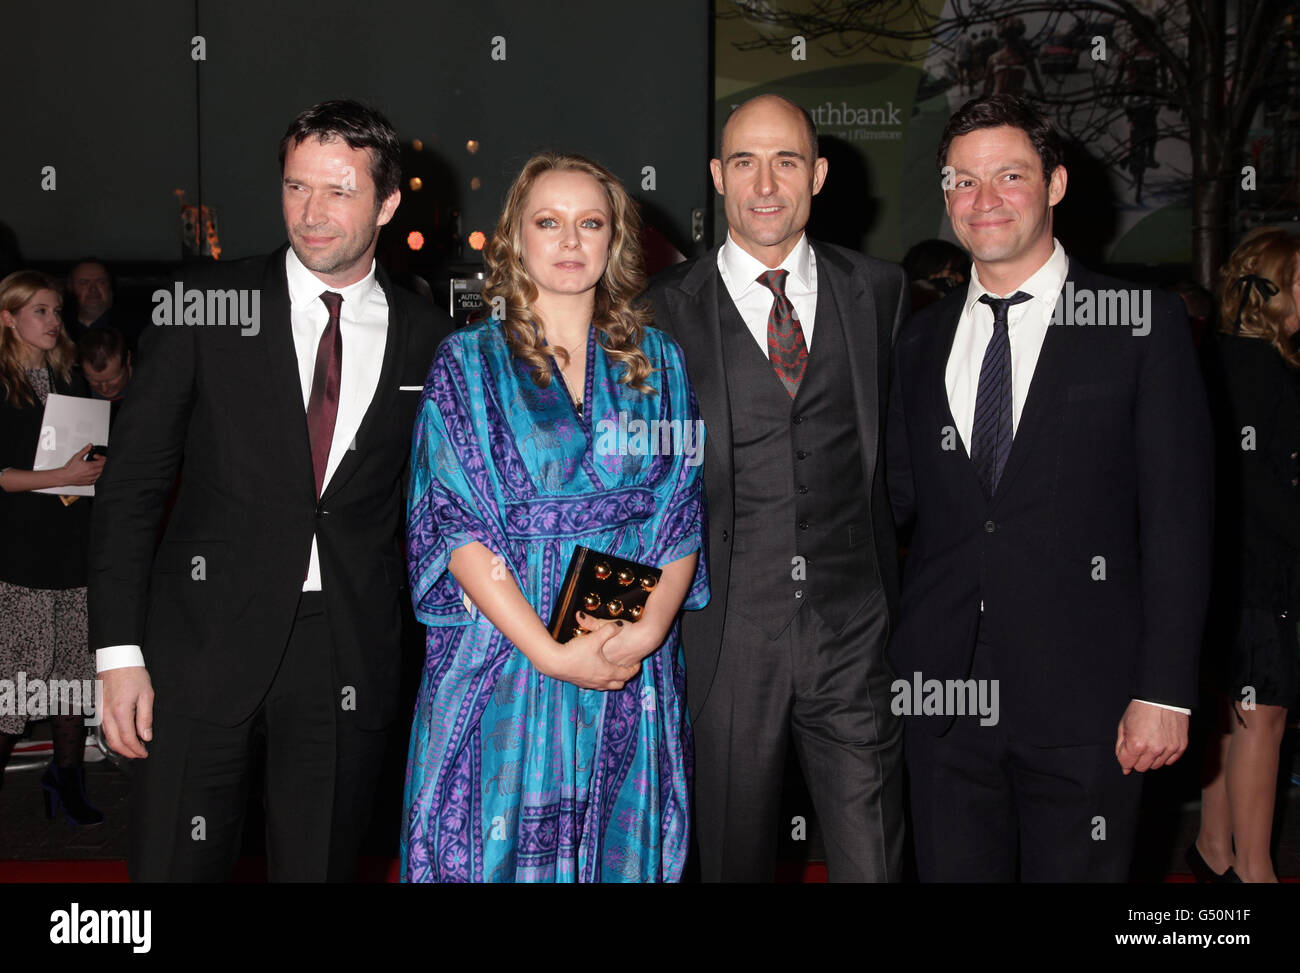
{"points": [[772, 103], [768, 174]]}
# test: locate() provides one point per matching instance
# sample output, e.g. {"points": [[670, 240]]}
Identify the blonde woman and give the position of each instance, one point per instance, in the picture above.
{"points": [[43, 557], [533, 760], [1254, 648]]}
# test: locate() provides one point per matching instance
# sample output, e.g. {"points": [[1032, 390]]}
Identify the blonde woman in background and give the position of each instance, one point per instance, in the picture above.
{"points": [[43, 557]]}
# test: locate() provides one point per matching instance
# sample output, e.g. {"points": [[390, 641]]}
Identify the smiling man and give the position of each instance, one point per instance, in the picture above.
{"points": [[269, 618], [787, 343], [1058, 482]]}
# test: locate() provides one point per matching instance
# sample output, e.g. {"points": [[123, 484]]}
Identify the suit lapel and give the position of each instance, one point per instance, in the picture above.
{"points": [[694, 303], [385, 390], [941, 349], [284, 384], [853, 303]]}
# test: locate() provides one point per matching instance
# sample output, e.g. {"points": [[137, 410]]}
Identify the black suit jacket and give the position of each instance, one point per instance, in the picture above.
{"points": [[1111, 459], [225, 409], [685, 303]]}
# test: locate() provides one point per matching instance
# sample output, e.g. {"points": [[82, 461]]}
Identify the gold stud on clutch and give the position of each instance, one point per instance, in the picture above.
{"points": [[648, 584], [578, 632], [602, 570], [615, 608], [626, 576], [591, 602], [635, 612]]}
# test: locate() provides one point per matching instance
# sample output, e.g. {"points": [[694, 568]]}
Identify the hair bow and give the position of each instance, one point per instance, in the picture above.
{"points": [[1246, 283]]}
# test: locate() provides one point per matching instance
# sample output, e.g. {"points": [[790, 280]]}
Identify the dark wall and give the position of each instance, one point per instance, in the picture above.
{"points": [[106, 93]]}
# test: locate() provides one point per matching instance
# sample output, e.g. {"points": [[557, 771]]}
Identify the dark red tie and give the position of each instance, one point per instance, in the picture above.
{"points": [[323, 404], [785, 344]]}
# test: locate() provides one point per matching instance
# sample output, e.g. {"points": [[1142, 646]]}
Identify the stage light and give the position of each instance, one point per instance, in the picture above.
{"points": [[416, 184], [477, 240], [415, 239], [476, 183], [471, 146], [417, 145]]}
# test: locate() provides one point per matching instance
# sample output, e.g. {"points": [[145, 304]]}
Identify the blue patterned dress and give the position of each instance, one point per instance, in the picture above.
{"points": [[512, 775]]}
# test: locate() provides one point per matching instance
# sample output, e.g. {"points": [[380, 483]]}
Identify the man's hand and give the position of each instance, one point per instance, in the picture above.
{"points": [[128, 709], [1149, 737]]}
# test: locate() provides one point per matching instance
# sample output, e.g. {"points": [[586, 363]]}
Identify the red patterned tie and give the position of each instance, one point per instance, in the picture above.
{"points": [[323, 403], [785, 345]]}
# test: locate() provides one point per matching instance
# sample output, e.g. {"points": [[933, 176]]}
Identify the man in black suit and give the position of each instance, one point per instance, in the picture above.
{"points": [[284, 389], [1049, 440], [801, 542]]}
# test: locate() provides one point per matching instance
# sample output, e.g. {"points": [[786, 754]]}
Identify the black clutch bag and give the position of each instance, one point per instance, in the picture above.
{"points": [[603, 586]]}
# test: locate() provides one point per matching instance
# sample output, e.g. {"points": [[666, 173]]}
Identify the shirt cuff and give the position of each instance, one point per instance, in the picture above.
{"points": [[1176, 709], [118, 657]]}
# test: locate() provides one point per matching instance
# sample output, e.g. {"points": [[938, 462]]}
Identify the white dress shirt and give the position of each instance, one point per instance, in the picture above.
{"points": [[1027, 325], [363, 320], [740, 272]]}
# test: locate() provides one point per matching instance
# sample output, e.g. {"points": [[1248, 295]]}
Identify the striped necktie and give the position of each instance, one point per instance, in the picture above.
{"points": [[991, 432]]}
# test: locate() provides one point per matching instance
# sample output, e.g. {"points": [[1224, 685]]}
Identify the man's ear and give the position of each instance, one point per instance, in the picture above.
{"points": [[715, 168], [820, 168], [388, 207], [1056, 186]]}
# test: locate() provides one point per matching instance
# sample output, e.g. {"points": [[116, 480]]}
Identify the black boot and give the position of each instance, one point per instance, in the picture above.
{"points": [[67, 786]]}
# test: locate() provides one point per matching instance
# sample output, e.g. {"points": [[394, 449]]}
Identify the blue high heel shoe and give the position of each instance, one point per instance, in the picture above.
{"points": [[66, 786]]}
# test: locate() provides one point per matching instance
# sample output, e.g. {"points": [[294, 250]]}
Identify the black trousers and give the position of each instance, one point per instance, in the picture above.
{"points": [[189, 795], [985, 800], [828, 694]]}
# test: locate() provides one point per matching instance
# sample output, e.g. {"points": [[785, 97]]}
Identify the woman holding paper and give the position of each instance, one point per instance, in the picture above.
{"points": [[43, 557], [534, 759]]}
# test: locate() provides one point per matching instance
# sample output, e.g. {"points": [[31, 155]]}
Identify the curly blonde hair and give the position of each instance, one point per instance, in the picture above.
{"points": [[618, 316], [1271, 253], [16, 291]]}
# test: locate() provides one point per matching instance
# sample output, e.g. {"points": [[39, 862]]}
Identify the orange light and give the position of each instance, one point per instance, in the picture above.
{"points": [[471, 146], [416, 184], [477, 240], [417, 145], [476, 183], [415, 239]]}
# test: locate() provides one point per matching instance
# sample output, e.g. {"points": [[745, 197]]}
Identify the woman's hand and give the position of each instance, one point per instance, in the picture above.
{"points": [[583, 662], [79, 471], [630, 642]]}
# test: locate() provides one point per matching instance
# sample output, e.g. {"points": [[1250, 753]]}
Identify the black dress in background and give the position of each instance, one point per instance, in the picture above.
{"points": [[1253, 640]]}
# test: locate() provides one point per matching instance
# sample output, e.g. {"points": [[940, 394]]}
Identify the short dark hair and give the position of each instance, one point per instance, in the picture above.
{"points": [[992, 111], [809, 124], [930, 257], [99, 346], [361, 127]]}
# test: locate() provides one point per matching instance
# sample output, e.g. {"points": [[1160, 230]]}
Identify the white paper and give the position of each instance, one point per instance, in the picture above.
{"points": [[70, 422]]}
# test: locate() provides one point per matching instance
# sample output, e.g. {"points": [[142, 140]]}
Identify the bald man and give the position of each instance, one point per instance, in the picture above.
{"points": [[787, 343]]}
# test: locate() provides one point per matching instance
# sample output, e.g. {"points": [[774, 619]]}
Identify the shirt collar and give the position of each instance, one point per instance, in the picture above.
{"points": [[1044, 284], [305, 287], [743, 268]]}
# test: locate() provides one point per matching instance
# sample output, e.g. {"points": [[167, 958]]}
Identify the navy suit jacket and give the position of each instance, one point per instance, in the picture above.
{"points": [[1092, 558]]}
